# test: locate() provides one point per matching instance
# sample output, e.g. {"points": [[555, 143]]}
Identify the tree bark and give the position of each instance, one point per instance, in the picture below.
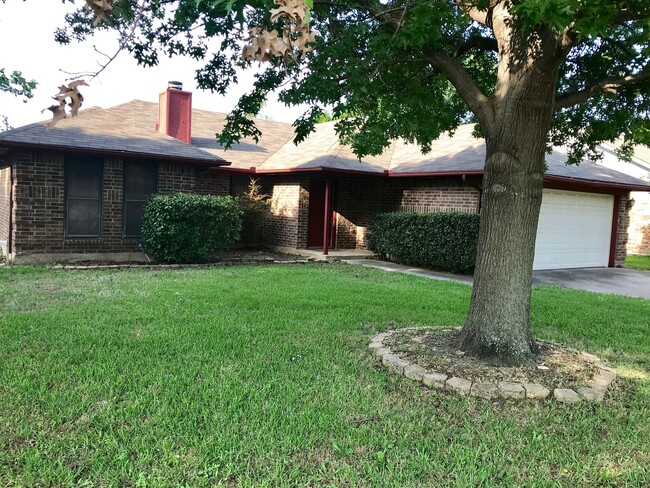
{"points": [[498, 322]]}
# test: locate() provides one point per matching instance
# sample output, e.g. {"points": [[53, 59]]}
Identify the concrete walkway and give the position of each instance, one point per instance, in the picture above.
{"points": [[617, 281], [400, 268]]}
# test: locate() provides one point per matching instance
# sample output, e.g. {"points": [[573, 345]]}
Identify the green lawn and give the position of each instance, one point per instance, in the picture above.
{"points": [[636, 261], [260, 376]]}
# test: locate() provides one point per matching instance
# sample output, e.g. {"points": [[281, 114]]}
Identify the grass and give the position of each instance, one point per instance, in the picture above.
{"points": [[636, 261], [260, 376]]}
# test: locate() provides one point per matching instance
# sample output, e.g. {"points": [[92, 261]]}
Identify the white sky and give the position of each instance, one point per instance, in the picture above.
{"points": [[27, 45]]}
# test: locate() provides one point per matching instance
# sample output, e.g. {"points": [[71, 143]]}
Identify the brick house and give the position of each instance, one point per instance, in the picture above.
{"points": [[76, 191], [639, 167]]}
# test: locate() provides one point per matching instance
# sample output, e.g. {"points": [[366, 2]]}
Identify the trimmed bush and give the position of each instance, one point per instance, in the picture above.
{"points": [[185, 228], [444, 240]]}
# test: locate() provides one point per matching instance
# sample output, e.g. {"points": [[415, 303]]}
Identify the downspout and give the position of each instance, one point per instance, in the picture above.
{"points": [[328, 217], [10, 239]]}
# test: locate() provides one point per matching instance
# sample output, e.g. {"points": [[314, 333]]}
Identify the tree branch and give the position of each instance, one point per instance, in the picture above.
{"points": [[609, 85], [480, 16], [631, 14], [481, 43], [464, 84], [125, 37]]}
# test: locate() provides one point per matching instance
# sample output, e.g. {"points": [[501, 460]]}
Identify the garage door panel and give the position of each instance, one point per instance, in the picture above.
{"points": [[574, 230]]}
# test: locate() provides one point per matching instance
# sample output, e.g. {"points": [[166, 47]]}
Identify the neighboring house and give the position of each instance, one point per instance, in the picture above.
{"points": [[77, 190], [639, 167]]}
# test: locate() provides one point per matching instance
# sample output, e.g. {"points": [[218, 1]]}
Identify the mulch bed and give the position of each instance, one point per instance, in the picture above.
{"points": [[229, 257], [435, 349]]}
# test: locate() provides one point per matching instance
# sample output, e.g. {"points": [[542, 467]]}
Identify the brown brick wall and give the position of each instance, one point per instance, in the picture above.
{"points": [[622, 230], [191, 179], [639, 230], [38, 199], [287, 224], [5, 194], [209, 182], [39, 203], [359, 198], [356, 200]]}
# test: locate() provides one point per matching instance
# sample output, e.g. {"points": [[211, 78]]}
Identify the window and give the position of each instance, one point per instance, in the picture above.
{"points": [[83, 196], [239, 184], [140, 180]]}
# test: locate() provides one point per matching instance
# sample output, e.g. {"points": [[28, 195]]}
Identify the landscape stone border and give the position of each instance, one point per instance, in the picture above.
{"points": [[594, 390], [151, 266]]}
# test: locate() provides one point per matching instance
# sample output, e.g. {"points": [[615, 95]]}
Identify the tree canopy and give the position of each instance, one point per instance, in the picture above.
{"points": [[15, 84], [405, 68]]}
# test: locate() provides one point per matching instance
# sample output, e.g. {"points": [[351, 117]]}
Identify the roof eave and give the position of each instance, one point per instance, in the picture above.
{"points": [[318, 169], [400, 174], [597, 183], [112, 153]]}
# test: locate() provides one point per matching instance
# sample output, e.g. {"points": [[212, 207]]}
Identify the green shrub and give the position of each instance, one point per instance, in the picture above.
{"points": [[445, 240], [185, 228], [256, 207]]}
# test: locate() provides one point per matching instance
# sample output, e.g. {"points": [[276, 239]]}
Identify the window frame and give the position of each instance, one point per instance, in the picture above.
{"points": [[67, 162], [125, 200]]}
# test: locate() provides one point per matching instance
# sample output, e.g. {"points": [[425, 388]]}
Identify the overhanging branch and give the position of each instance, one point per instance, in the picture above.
{"points": [[464, 84], [609, 85]]}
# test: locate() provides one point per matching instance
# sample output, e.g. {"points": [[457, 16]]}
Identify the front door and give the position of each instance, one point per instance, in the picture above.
{"points": [[316, 226]]}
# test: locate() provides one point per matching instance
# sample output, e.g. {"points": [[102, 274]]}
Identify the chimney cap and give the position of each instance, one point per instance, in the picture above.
{"points": [[176, 85]]}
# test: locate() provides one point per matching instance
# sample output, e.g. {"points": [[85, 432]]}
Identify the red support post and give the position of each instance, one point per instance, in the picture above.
{"points": [[328, 218]]}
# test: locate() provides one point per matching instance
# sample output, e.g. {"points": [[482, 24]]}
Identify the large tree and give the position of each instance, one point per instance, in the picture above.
{"points": [[529, 73], [14, 84]]}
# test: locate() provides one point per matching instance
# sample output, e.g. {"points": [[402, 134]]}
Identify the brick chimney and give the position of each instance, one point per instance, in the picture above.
{"points": [[175, 112]]}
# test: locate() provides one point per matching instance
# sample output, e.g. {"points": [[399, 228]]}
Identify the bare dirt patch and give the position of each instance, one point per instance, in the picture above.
{"points": [[251, 254], [435, 349]]}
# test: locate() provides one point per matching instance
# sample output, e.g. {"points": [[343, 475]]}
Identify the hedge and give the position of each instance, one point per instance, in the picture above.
{"points": [[185, 228], [444, 240]]}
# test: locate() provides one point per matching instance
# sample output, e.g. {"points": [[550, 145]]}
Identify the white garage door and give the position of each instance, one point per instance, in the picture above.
{"points": [[574, 230]]}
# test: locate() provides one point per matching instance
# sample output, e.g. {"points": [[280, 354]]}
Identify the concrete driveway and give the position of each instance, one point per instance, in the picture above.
{"points": [[615, 281]]}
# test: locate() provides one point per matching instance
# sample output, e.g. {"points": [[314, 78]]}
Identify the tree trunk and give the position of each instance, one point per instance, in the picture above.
{"points": [[516, 130], [498, 323]]}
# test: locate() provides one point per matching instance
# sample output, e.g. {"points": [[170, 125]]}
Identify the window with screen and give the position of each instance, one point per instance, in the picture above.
{"points": [[140, 181], [83, 197]]}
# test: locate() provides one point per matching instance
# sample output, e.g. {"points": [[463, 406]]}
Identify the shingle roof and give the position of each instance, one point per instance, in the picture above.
{"points": [[130, 128], [245, 154], [459, 153]]}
